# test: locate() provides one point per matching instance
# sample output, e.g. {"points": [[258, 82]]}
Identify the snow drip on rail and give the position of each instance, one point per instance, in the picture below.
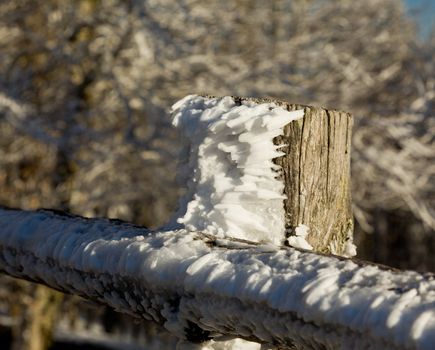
{"points": [[232, 187]]}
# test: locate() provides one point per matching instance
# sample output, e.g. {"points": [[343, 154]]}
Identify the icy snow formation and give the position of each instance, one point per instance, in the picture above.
{"points": [[274, 295], [298, 240], [232, 185]]}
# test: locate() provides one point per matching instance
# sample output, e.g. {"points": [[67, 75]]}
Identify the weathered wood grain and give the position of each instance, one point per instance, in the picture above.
{"points": [[316, 173]]}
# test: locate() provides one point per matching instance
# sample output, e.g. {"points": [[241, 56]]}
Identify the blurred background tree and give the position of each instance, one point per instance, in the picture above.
{"points": [[85, 88]]}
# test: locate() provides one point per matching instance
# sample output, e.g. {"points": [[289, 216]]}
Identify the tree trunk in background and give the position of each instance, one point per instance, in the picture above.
{"points": [[40, 310], [35, 331], [45, 311]]}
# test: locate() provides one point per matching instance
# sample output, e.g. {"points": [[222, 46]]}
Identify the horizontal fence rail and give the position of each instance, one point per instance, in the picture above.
{"points": [[199, 286]]}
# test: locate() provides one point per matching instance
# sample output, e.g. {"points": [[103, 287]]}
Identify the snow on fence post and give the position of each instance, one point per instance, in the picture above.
{"points": [[311, 156], [222, 267], [316, 174]]}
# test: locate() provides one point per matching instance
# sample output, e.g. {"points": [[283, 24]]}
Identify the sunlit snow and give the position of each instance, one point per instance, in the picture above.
{"points": [[233, 190]]}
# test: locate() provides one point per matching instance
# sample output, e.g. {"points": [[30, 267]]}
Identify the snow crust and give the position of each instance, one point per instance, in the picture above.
{"points": [[261, 292], [233, 190]]}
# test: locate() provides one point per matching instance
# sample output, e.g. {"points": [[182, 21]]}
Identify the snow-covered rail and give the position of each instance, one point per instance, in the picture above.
{"points": [[266, 183], [199, 286]]}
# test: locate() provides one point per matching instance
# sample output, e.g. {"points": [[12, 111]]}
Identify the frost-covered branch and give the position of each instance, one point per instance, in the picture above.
{"points": [[200, 287]]}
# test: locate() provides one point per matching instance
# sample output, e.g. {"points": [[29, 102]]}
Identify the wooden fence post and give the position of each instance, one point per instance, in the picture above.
{"points": [[316, 171], [200, 285]]}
